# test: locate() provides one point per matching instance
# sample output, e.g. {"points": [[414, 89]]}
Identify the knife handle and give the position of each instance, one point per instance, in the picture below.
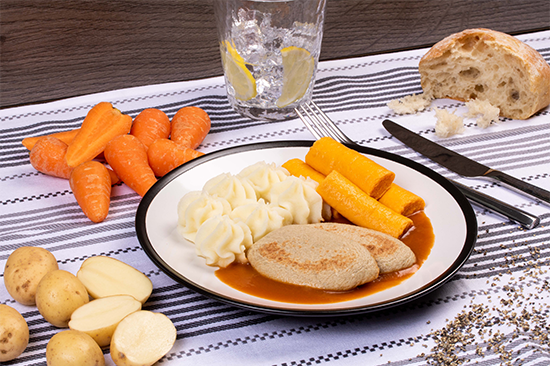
{"points": [[519, 184], [515, 214]]}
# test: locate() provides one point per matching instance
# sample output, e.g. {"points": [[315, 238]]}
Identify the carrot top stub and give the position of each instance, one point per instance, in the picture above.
{"points": [[101, 125]]}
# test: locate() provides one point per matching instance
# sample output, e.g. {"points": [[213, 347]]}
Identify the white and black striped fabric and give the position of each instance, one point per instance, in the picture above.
{"points": [[493, 312]]}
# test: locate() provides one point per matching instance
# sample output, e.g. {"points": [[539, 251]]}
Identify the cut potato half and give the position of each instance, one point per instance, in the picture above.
{"points": [[99, 318], [105, 276], [142, 338]]}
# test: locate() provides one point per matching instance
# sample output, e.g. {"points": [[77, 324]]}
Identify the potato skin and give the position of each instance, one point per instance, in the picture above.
{"points": [[14, 333], [24, 269], [71, 347], [59, 293]]}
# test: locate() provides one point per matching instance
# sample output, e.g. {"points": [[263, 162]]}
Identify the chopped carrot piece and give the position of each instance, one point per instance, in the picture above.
{"points": [[164, 155], [360, 208], [102, 124], [48, 156], [190, 125], [151, 124], [91, 185], [128, 158]]}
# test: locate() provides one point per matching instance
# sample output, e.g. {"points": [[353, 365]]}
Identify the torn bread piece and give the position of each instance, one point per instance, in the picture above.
{"points": [[484, 111], [448, 124], [410, 104]]}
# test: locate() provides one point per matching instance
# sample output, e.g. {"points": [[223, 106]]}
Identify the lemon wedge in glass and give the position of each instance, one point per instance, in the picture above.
{"points": [[237, 74], [298, 68]]}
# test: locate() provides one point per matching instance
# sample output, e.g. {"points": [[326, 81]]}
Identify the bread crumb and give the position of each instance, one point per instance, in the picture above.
{"points": [[484, 111], [448, 124], [410, 104]]}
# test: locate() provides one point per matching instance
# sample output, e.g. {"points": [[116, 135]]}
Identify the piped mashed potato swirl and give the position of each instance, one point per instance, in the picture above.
{"points": [[233, 211]]}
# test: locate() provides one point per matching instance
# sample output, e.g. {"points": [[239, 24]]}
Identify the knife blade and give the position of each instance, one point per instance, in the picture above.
{"points": [[459, 163]]}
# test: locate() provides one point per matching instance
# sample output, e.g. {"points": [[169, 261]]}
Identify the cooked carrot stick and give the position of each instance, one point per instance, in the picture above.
{"points": [[128, 158], [298, 168], [102, 123], [327, 155], [91, 185], [48, 156], [360, 208], [151, 124], [164, 155], [65, 136], [190, 125], [402, 201]]}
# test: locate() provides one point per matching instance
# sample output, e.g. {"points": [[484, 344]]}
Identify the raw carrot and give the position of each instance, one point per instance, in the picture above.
{"points": [[151, 124], [48, 156], [164, 155], [114, 178], [128, 158], [102, 123], [190, 125], [91, 185], [65, 136], [360, 208]]}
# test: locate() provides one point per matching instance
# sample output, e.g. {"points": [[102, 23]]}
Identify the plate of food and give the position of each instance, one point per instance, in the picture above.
{"points": [[178, 229]]}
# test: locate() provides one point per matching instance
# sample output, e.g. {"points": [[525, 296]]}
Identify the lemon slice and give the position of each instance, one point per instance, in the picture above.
{"points": [[237, 74], [298, 68]]}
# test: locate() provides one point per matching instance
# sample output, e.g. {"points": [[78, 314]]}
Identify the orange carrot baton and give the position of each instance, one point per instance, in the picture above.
{"points": [[298, 168], [91, 185], [360, 208], [151, 124], [327, 155], [65, 136], [402, 201], [102, 123], [190, 125], [48, 156], [164, 155], [128, 158]]}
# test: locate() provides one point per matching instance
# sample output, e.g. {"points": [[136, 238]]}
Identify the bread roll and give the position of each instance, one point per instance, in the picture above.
{"points": [[489, 65]]}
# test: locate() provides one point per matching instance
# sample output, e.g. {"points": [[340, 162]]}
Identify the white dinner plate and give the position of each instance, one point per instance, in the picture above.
{"points": [[451, 215]]}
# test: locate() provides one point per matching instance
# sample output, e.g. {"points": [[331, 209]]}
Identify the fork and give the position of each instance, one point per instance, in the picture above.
{"points": [[320, 125]]}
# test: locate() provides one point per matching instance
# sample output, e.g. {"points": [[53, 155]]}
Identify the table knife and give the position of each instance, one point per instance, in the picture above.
{"points": [[460, 164]]}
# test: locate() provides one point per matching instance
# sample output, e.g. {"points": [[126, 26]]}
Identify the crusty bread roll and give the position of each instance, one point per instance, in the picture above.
{"points": [[489, 65]]}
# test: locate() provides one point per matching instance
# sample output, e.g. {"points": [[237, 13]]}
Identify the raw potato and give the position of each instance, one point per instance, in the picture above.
{"points": [[106, 276], [59, 293], [71, 347], [142, 338], [14, 333], [99, 318], [24, 268]]}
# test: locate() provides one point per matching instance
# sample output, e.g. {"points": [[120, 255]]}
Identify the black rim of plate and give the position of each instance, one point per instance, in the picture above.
{"points": [[466, 208]]}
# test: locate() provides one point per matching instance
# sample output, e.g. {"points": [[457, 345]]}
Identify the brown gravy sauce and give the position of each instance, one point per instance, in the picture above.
{"points": [[245, 278]]}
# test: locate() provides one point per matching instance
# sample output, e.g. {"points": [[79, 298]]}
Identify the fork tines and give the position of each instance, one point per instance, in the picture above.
{"points": [[319, 124]]}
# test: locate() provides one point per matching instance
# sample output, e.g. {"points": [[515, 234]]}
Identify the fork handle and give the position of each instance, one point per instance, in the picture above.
{"points": [[515, 214]]}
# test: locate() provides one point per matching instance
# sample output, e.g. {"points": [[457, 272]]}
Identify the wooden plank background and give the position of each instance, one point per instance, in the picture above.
{"points": [[61, 48]]}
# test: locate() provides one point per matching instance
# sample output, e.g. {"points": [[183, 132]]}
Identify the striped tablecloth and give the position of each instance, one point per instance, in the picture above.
{"points": [[494, 310]]}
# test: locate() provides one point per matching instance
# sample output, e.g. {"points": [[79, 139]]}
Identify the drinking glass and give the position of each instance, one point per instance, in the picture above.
{"points": [[270, 51]]}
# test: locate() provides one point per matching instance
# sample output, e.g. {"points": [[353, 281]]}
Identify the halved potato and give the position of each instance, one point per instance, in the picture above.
{"points": [[99, 318], [106, 276], [142, 338]]}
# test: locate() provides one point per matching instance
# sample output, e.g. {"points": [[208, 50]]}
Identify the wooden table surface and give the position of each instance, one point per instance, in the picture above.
{"points": [[62, 48]]}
